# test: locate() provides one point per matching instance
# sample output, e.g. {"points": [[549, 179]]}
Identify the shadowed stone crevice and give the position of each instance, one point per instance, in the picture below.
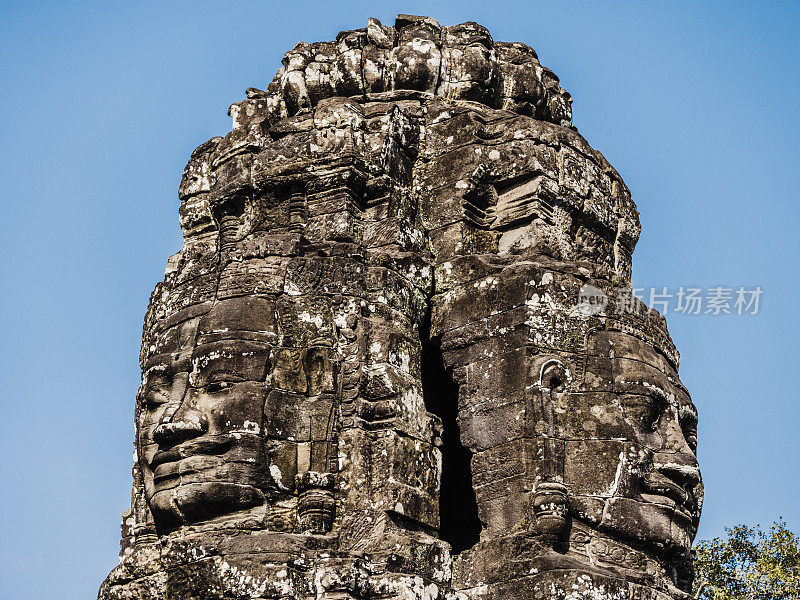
{"points": [[459, 524]]}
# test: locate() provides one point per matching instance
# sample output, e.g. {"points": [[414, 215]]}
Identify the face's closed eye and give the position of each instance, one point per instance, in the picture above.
{"points": [[216, 365], [644, 411], [218, 386], [688, 422], [157, 388]]}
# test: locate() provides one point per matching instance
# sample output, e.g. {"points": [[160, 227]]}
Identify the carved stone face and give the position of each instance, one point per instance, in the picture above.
{"points": [[201, 411], [630, 439], [558, 400]]}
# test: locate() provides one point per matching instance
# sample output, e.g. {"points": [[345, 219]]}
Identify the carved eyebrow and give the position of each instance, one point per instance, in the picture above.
{"points": [[158, 368], [687, 411], [653, 389], [206, 353], [168, 363], [676, 381]]}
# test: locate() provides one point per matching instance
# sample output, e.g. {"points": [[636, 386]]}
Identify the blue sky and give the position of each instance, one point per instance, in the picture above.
{"points": [[102, 102]]}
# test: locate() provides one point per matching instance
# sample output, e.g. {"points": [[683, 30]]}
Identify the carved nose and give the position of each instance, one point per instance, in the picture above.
{"points": [[177, 431], [179, 421], [678, 467]]}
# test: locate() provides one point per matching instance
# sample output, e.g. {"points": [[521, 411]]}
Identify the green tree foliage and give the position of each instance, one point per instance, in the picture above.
{"points": [[749, 565]]}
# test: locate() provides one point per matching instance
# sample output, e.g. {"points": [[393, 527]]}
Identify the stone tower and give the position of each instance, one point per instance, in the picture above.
{"points": [[395, 357]]}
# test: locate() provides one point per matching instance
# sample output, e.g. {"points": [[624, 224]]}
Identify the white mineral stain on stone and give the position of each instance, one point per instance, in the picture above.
{"points": [[306, 317], [251, 427], [276, 474], [291, 289]]}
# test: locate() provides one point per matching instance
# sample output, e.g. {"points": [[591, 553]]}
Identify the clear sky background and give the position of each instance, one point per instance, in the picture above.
{"points": [[695, 103]]}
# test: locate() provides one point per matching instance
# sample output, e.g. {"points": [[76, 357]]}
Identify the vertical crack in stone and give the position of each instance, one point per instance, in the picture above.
{"points": [[458, 508]]}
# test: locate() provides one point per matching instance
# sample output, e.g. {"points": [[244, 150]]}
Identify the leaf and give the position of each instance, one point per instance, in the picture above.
{"points": [[749, 564]]}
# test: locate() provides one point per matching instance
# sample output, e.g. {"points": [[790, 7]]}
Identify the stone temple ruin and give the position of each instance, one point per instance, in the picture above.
{"points": [[391, 360]]}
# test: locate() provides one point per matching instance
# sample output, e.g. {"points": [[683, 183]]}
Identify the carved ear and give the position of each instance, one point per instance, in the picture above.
{"points": [[550, 496], [554, 376], [228, 211]]}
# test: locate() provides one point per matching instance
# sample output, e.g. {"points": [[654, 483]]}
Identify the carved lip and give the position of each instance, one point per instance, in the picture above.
{"points": [[208, 447], [188, 469], [675, 495]]}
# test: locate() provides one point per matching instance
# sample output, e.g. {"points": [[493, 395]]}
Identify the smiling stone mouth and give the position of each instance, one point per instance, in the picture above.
{"points": [[207, 447], [681, 500]]}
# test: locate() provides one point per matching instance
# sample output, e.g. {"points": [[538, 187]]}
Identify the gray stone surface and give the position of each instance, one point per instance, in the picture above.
{"points": [[391, 359]]}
